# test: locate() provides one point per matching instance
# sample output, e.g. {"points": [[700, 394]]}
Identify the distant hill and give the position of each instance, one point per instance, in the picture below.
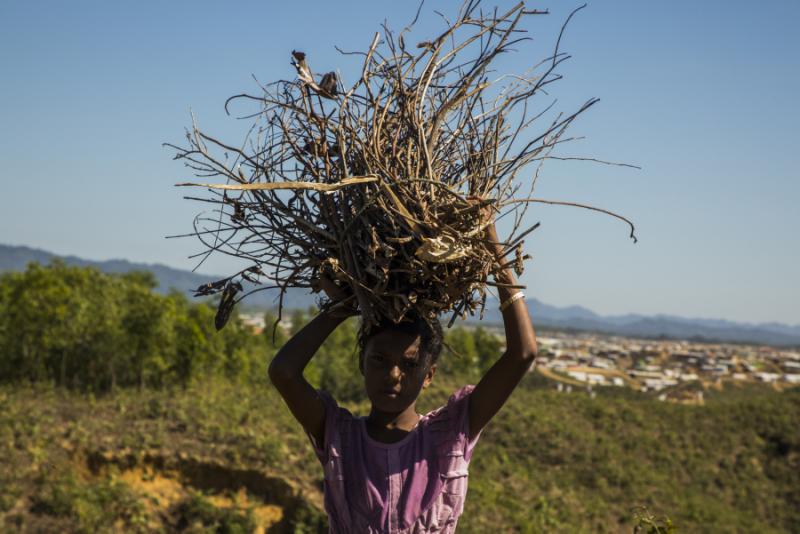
{"points": [[16, 258], [656, 326]]}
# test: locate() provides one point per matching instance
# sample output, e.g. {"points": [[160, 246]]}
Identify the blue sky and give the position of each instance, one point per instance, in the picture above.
{"points": [[701, 95]]}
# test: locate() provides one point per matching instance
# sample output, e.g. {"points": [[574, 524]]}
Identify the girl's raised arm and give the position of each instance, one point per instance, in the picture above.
{"points": [[286, 372], [500, 380]]}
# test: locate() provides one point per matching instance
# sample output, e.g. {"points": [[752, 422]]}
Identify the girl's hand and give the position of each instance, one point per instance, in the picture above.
{"points": [[332, 290], [344, 302]]}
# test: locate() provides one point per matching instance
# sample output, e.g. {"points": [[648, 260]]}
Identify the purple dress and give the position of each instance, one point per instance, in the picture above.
{"points": [[416, 485]]}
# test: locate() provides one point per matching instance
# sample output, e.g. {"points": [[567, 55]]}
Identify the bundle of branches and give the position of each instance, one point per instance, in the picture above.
{"points": [[380, 186]]}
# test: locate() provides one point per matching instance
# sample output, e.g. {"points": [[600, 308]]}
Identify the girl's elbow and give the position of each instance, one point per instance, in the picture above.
{"points": [[531, 352], [277, 373], [525, 354], [530, 357]]}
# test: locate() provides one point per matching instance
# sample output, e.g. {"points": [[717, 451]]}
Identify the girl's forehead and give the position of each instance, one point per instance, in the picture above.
{"points": [[392, 342]]}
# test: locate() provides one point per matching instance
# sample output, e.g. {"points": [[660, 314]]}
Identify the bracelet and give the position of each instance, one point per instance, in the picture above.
{"points": [[511, 300]]}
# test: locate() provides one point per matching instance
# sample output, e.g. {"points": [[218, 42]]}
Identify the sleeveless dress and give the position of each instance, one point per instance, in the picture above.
{"points": [[416, 485]]}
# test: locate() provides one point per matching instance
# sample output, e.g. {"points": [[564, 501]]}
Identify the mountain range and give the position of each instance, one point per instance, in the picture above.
{"points": [[16, 258]]}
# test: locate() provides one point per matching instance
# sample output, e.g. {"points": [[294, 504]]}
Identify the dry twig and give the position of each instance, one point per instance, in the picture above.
{"points": [[368, 184]]}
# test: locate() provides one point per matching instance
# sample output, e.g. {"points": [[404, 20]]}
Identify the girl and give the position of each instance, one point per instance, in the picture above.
{"points": [[396, 471]]}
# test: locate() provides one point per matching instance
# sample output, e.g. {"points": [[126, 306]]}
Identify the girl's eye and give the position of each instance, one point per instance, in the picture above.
{"points": [[411, 364]]}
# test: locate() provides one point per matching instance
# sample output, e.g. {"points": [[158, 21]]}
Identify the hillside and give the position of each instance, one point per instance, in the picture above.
{"points": [[220, 455]]}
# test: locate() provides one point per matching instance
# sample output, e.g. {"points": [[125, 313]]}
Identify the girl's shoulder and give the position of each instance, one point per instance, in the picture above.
{"points": [[455, 408], [333, 408], [449, 424], [337, 419]]}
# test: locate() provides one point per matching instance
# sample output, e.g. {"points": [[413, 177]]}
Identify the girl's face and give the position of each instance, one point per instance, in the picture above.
{"points": [[394, 370]]}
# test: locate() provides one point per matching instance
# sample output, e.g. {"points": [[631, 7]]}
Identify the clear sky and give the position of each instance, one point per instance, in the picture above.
{"points": [[702, 95]]}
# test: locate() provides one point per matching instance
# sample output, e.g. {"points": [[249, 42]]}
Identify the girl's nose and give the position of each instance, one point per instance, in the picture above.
{"points": [[395, 373]]}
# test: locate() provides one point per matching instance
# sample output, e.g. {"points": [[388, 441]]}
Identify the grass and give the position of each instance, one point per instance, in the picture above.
{"points": [[230, 458]]}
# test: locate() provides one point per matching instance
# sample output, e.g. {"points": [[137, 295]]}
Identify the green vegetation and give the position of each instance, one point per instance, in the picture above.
{"points": [[141, 435], [91, 506], [198, 514], [82, 329]]}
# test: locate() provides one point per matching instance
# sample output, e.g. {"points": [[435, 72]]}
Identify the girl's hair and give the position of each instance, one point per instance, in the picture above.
{"points": [[429, 331]]}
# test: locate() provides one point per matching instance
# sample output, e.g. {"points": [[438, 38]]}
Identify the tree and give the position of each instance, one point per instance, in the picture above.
{"points": [[337, 361], [465, 360], [148, 323], [81, 328], [488, 347], [270, 328], [298, 321], [61, 323]]}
